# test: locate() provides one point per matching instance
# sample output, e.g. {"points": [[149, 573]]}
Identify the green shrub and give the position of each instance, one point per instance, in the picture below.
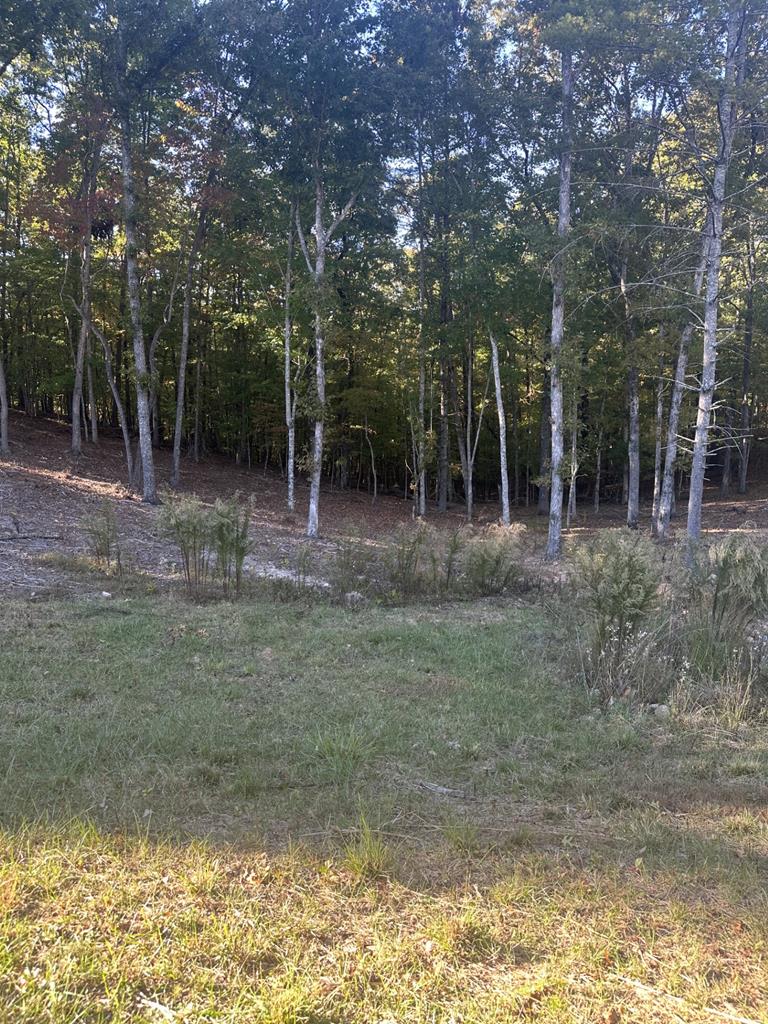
{"points": [[103, 539], [619, 578], [228, 530], [491, 562], [187, 522], [405, 560]]}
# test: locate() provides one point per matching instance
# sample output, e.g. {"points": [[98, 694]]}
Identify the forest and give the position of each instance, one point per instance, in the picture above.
{"points": [[383, 512], [457, 251]]}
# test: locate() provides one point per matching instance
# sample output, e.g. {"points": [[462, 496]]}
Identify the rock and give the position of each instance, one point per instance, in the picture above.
{"points": [[9, 526], [354, 599], [661, 711], [105, 594]]}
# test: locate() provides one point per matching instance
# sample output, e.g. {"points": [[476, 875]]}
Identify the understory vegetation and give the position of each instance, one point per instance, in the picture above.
{"points": [[285, 809]]}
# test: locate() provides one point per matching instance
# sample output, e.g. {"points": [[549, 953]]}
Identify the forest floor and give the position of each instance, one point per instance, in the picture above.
{"points": [[283, 811], [48, 498], [303, 814]]}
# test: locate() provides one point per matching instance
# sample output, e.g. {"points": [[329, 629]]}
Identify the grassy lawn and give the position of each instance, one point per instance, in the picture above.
{"points": [[304, 815]]}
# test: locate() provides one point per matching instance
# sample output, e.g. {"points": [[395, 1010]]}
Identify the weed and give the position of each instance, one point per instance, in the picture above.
{"points": [[340, 752], [367, 856], [229, 522], [187, 522], [103, 538]]}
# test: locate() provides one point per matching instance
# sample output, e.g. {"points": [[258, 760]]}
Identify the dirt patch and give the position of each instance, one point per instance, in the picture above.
{"points": [[47, 497]]}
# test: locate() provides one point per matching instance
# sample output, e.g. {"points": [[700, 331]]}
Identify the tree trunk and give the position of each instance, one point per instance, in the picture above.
{"points": [[186, 326], [502, 431], [317, 271], [667, 499], [89, 185], [746, 368], [132, 274], [92, 409], [657, 452], [290, 402], [571, 513], [545, 442], [5, 448], [554, 538], [726, 109], [725, 478], [633, 402], [114, 388], [443, 441]]}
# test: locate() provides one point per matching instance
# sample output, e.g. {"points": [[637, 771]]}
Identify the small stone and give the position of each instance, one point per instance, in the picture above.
{"points": [[662, 711], [105, 594], [353, 599], [9, 527]]}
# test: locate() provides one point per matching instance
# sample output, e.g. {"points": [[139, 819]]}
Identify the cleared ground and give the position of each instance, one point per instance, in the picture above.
{"points": [[300, 813]]}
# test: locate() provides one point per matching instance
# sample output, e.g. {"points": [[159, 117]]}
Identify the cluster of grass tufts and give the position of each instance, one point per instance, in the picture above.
{"points": [[655, 630], [420, 562], [212, 540]]}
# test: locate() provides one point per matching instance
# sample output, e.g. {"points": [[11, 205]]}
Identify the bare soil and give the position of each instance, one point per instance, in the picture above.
{"points": [[47, 497]]}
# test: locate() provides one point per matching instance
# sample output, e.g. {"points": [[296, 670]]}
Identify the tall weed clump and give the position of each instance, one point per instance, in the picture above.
{"points": [[103, 538], [419, 562], [618, 580], [492, 560], [649, 629], [229, 522], [720, 606], [212, 541]]}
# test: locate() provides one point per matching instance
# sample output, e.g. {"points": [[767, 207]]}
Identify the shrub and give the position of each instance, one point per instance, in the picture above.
{"points": [[350, 569], [187, 522], [228, 529], [722, 598], [619, 577], [404, 561], [491, 562], [103, 539]]}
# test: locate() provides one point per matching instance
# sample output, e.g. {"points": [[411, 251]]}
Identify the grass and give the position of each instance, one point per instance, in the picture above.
{"points": [[307, 815]]}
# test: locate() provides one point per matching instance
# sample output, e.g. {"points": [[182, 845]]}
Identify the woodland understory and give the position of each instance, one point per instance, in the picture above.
{"points": [[490, 251]]}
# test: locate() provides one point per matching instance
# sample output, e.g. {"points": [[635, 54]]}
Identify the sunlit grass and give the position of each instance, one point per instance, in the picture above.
{"points": [[296, 815]]}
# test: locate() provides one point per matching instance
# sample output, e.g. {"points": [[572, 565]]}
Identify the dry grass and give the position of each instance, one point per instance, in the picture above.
{"points": [[274, 813]]}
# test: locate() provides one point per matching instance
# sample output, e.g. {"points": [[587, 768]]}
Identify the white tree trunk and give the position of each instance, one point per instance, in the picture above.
{"points": [[316, 269], [92, 409], [5, 447], [502, 431], [290, 404], [132, 273], [726, 109], [657, 452], [77, 390], [186, 326], [554, 538], [89, 184], [667, 499]]}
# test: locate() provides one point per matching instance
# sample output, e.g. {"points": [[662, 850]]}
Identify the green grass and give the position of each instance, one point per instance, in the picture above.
{"points": [[304, 815]]}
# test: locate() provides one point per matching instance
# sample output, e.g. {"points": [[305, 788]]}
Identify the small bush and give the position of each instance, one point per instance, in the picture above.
{"points": [[491, 562], [619, 577], [405, 561], [229, 522], [352, 570], [103, 538], [187, 522]]}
